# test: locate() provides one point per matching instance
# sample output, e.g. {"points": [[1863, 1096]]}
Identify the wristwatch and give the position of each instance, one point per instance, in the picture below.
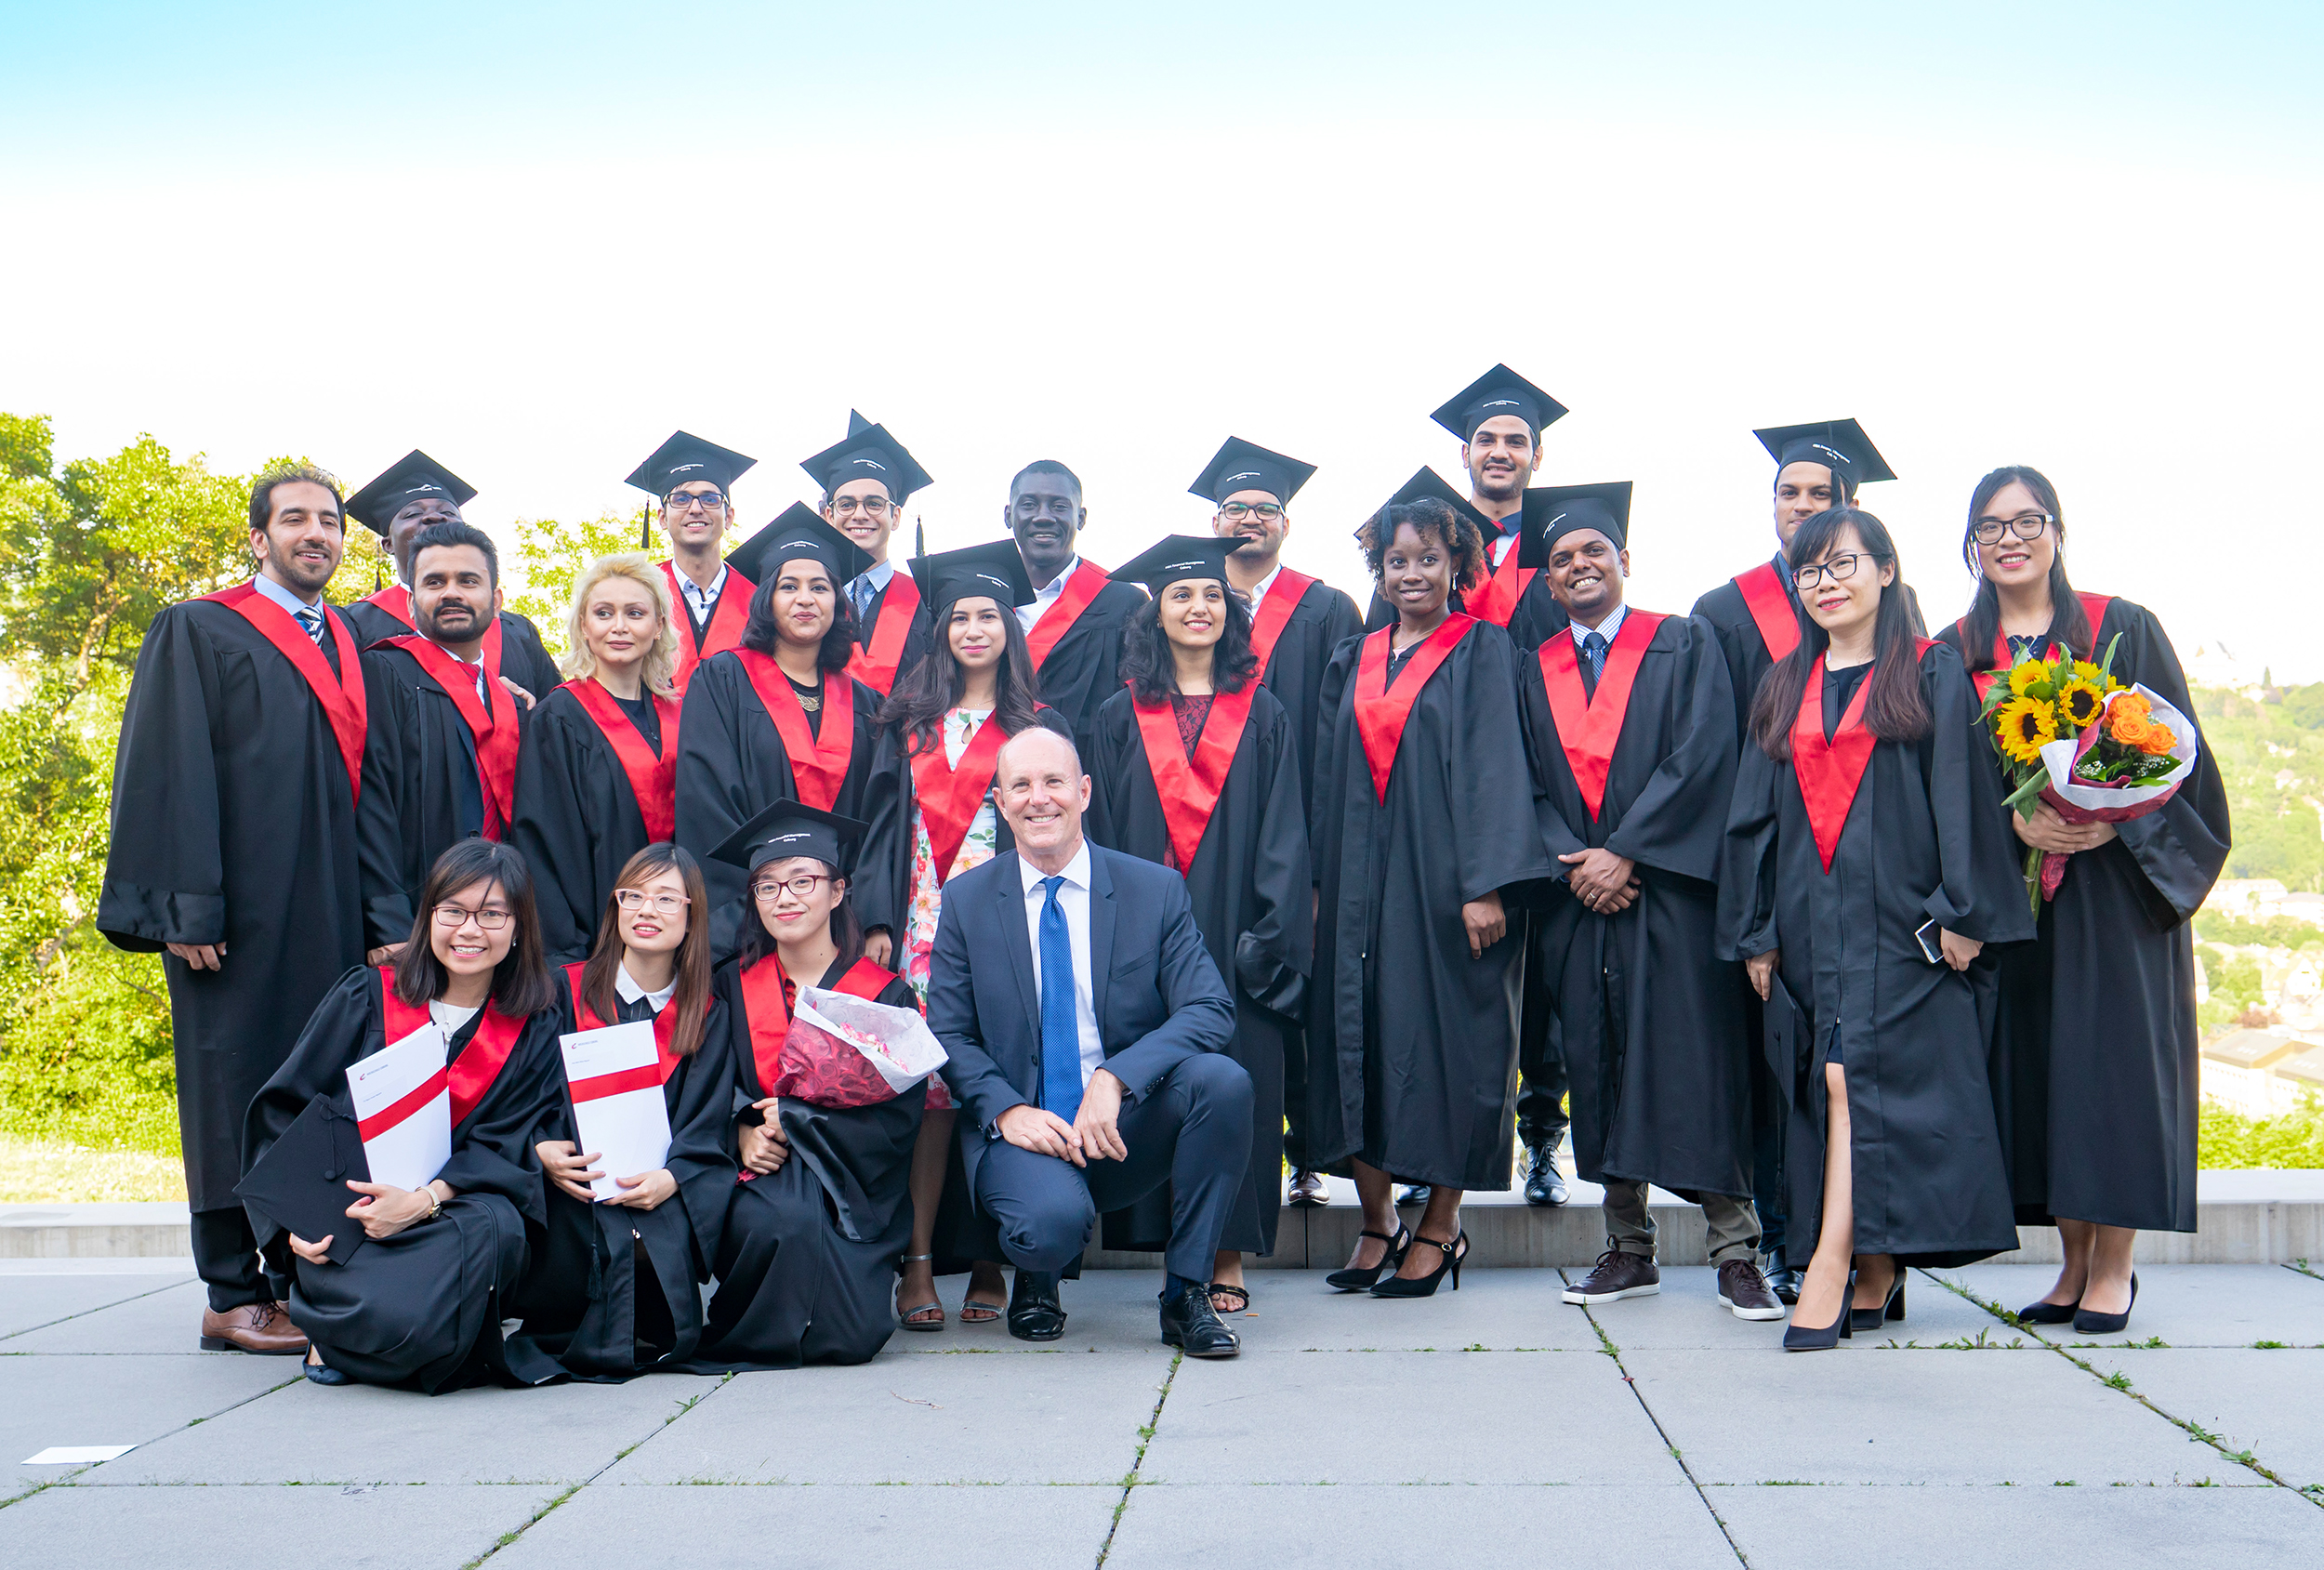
{"points": [[435, 1205]]}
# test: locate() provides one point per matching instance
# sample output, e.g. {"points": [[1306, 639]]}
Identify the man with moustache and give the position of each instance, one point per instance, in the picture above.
{"points": [[441, 766], [1074, 626], [865, 480], [234, 851]]}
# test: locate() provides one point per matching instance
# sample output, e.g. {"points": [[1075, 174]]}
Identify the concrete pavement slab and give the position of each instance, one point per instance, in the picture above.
{"points": [[1405, 1417], [2079, 1528], [2187, 1305], [2027, 1416], [1499, 1310], [1065, 1417], [46, 1401], [29, 1302], [2268, 1402], [358, 1435], [1393, 1528], [394, 1527], [163, 1324], [1685, 1314], [820, 1528]]}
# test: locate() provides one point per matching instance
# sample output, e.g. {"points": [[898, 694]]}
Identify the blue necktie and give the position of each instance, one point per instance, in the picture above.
{"points": [[312, 619], [1593, 649], [1060, 1033]]}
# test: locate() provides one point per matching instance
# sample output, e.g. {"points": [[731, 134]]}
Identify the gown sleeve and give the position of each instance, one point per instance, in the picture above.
{"points": [[1747, 866], [701, 1152], [711, 799], [1982, 894], [379, 853], [1274, 955], [1486, 786], [551, 830], [2182, 846], [1539, 732], [882, 889], [1110, 741], [1338, 672], [164, 880], [1677, 824]]}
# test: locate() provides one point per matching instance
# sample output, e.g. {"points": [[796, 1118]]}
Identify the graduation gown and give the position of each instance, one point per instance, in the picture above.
{"points": [[1750, 645], [523, 658], [807, 1259], [698, 639], [1292, 668], [420, 1310], [1412, 1044], [577, 818], [1079, 669], [1251, 888], [614, 1292], [233, 822], [1921, 840], [732, 764], [883, 627], [2094, 1058], [1657, 1044], [422, 793]]}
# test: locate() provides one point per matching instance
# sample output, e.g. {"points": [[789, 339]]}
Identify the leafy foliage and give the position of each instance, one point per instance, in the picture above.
{"points": [[550, 556], [2230, 1140]]}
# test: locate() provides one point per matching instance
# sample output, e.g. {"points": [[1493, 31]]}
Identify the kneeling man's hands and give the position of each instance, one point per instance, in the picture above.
{"points": [[1028, 1128], [1101, 1109]]}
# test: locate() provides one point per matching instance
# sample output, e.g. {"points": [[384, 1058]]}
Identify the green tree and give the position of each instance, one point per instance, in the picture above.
{"points": [[551, 555]]}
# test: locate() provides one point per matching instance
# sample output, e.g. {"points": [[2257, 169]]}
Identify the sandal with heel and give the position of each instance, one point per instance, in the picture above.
{"points": [[1358, 1278]]}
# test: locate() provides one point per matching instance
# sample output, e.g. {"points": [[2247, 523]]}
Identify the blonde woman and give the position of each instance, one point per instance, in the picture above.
{"points": [[594, 781]]}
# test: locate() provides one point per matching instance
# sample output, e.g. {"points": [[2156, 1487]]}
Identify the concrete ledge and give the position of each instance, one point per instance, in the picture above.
{"points": [[93, 1232]]}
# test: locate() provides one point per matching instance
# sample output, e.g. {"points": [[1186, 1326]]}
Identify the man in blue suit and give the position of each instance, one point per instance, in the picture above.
{"points": [[1087, 1028]]}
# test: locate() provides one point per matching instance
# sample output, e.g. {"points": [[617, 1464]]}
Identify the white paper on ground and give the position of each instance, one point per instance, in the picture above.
{"points": [[72, 1455], [895, 1041], [629, 1130], [407, 1155]]}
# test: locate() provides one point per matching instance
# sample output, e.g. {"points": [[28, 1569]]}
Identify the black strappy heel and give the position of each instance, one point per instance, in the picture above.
{"points": [[1425, 1285], [1357, 1278]]}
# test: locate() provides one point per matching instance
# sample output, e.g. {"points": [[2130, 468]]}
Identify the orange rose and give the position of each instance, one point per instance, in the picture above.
{"points": [[2130, 730], [2158, 741], [2132, 706]]}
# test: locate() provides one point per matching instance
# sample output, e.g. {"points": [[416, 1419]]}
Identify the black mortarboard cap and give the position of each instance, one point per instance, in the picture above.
{"points": [[1175, 557], [1246, 466], [684, 458], [798, 531], [995, 570], [411, 476], [1551, 511], [791, 828], [300, 1182], [1500, 391], [869, 453], [1838, 446], [1426, 484]]}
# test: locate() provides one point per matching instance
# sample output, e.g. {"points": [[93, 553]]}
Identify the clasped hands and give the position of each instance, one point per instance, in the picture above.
{"points": [[571, 1171], [1601, 880], [1093, 1135], [2047, 831], [384, 1210]]}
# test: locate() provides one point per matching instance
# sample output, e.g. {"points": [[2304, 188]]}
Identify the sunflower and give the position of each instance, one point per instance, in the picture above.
{"points": [[2079, 701], [2027, 676], [2085, 671], [2025, 726]]}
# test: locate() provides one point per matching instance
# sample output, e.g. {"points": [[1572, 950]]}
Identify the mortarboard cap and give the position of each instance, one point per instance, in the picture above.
{"points": [[869, 453], [412, 477], [685, 459], [995, 570], [300, 1182], [1176, 558], [1552, 511], [1838, 446], [1500, 391], [791, 828], [798, 531], [1246, 466], [1426, 484]]}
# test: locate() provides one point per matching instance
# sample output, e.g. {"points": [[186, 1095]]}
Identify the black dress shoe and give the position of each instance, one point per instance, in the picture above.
{"points": [[1417, 1193], [1189, 1321], [1308, 1188], [2093, 1323], [1784, 1280], [1544, 1183], [1035, 1314]]}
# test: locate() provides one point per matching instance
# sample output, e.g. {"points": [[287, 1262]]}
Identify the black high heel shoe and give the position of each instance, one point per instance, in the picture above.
{"points": [[1893, 1308], [1808, 1338], [2106, 1324], [1425, 1285], [2049, 1313], [1355, 1278]]}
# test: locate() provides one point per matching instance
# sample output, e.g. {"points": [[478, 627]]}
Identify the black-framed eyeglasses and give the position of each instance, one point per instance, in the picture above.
{"points": [[872, 506], [638, 899], [1837, 568], [682, 501], [1234, 512], [769, 889], [2031, 526], [490, 919]]}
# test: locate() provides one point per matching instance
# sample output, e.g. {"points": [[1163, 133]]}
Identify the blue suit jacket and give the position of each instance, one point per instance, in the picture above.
{"points": [[1157, 997]]}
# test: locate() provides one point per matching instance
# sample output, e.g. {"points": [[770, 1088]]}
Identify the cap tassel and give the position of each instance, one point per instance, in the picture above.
{"points": [[919, 536], [645, 527]]}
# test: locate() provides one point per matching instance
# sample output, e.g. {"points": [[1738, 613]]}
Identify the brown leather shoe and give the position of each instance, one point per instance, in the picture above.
{"points": [[1743, 1290], [1616, 1275], [259, 1327], [1309, 1188]]}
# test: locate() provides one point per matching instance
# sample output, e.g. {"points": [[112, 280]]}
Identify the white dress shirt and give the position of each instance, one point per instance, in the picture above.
{"points": [[284, 598], [1259, 593], [701, 601], [1073, 898], [1028, 617], [450, 1017], [1502, 546], [628, 991], [1605, 628]]}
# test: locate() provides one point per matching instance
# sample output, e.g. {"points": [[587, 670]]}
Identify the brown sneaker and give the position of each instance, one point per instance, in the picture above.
{"points": [[259, 1327], [1616, 1275], [1745, 1291]]}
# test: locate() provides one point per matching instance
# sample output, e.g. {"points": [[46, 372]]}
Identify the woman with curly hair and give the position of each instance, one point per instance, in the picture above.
{"points": [[2095, 1057], [1423, 816]]}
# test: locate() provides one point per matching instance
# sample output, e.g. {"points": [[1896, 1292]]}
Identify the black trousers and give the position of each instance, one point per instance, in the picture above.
{"points": [[226, 1257], [1191, 1131], [1541, 1119]]}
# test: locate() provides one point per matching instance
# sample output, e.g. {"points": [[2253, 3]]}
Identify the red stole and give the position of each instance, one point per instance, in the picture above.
{"points": [[396, 600], [1273, 613], [471, 1074], [1830, 772], [1770, 608], [341, 695], [1189, 787], [665, 1062], [728, 618], [767, 1011], [496, 737], [1058, 618], [875, 661], [1380, 714], [1496, 600], [949, 794], [818, 767], [1589, 724], [2095, 606], [653, 780]]}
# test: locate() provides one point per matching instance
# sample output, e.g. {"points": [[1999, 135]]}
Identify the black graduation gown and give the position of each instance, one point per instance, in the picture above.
{"points": [[233, 822], [523, 659], [807, 1258], [1724, 611], [421, 794], [1324, 619], [420, 1310], [1923, 839], [1252, 892], [732, 766], [1412, 1044], [1082, 669], [918, 639], [1658, 1045], [585, 1301], [2094, 1058], [576, 822]]}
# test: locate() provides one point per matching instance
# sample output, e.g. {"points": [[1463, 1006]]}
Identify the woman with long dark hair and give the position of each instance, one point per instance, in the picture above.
{"points": [[614, 1288], [2094, 1058], [778, 719], [815, 1227], [1195, 767], [1864, 874], [418, 1303]]}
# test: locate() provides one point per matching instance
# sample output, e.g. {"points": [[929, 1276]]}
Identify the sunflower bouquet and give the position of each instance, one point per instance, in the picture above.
{"points": [[2096, 750]]}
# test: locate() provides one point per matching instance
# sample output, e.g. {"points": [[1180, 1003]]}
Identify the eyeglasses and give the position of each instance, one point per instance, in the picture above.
{"points": [[636, 899], [686, 501], [767, 891], [2029, 527], [873, 507], [490, 919], [1837, 569], [1234, 512]]}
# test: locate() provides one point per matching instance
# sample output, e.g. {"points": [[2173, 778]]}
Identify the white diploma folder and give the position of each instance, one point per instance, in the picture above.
{"points": [[404, 1106], [614, 1077]]}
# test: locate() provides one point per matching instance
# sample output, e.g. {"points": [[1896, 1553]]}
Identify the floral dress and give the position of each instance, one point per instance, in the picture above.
{"points": [[977, 847]]}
